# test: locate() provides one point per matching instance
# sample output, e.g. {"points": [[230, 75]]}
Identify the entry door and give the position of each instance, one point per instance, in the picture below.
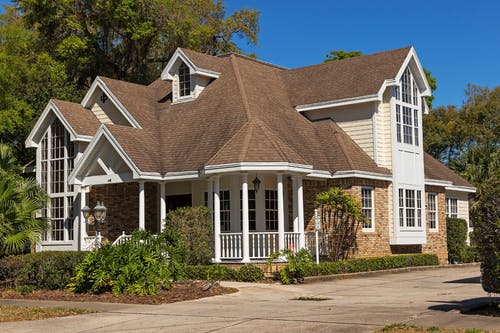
{"points": [[177, 201]]}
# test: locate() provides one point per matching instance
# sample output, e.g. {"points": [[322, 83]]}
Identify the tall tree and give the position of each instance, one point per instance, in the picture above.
{"points": [[341, 54], [132, 39]]}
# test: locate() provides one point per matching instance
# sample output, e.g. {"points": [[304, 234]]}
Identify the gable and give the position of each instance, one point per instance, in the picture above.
{"points": [[106, 107]]}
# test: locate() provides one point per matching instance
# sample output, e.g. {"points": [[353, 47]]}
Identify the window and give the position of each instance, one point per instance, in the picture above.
{"points": [[367, 208], [410, 208], [57, 154], [271, 210], [184, 80], [451, 207], [432, 208], [407, 109], [252, 217], [225, 211]]}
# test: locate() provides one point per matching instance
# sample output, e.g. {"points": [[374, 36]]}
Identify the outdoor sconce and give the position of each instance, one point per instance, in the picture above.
{"points": [[99, 216], [256, 184]]}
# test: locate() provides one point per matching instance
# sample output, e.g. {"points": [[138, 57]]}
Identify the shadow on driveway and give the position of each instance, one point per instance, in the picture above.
{"points": [[468, 280], [465, 306]]}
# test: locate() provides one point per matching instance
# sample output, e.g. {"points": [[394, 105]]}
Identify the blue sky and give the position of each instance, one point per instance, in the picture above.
{"points": [[458, 41]]}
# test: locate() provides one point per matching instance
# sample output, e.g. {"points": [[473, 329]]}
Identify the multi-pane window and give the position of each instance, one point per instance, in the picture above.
{"points": [[252, 213], [271, 210], [432, 209], [184, 80], [407, 110], [451, 207], [410, 208], [57, 154], [367, 208], [225, 211]]}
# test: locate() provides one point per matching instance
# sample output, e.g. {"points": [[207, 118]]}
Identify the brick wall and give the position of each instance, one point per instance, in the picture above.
{"points": [[370, 244], [377, 243], [122, 201], [436, 241]]}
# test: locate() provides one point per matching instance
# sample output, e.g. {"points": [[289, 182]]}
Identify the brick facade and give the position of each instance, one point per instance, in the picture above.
{"points": [[377, 243], [122, 201]]}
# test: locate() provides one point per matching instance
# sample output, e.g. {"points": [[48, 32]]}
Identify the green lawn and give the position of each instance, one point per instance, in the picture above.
{"points": [[404, 328]]}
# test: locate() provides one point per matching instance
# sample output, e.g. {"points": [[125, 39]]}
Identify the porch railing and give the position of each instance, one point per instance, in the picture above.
{"points": [[262, 244], [322, 242], [122, 239], [90, 242]]}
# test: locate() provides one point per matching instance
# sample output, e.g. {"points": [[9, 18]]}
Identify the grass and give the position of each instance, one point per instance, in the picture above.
{"points": [[405, 328], [304, 298], [18, 313]]}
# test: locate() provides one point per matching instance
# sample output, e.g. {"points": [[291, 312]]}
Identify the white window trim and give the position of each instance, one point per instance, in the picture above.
{"points": [[265, 211], [448, 206], [372, 191], [415, 128], [225, 210], [405, 226], [436, 229]]}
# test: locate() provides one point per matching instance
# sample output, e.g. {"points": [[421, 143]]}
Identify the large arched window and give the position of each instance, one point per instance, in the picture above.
{"points": [[184, 80], [407, 110]]}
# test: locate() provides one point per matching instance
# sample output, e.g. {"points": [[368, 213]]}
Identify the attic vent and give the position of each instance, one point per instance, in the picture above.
{"points": [[100, 114]]}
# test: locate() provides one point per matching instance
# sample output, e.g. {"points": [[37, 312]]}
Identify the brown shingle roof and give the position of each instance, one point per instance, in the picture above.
{"points": [[81, 120], [438, 171], [341, 79]]}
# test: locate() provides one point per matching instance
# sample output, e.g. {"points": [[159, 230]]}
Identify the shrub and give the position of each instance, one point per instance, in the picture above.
{"points": [[211, 272], [456, 236], [299, 265], [42, 270], [141, 266], [470, 254], [194, 227], [250, 273], [374, 264]]}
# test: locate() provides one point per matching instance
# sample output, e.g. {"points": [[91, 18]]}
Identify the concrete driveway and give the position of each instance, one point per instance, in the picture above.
{"points": [[430, 298]]}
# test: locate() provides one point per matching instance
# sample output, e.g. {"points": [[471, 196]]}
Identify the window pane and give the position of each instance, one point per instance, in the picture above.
{"points": [[225, 211], [398, 122], [271, 204], [184, 80], [367, 207]]}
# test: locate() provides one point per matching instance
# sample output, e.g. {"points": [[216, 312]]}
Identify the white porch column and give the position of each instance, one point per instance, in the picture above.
{"points": [[281, 213], [210, 198], [295, 205], [244, 200], [163, 205], [216, 219], [300, 213], [83, 227], [142, 207]]}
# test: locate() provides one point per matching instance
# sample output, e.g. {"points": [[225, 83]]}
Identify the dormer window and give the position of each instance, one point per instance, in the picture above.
{"points": [[184, 80]]}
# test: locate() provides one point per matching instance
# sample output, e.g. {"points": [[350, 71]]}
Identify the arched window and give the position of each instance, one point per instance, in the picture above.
{"points": [[184, 80]]}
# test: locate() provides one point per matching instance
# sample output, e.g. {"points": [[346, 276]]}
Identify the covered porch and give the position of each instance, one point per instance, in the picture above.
{"points": [[253, 214]]}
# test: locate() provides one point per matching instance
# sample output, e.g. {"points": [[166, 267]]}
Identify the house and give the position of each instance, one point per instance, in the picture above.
{"points": [[263, 140]]}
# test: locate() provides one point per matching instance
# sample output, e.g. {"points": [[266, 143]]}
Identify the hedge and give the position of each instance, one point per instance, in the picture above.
{"points": [[456, 231], [373, 264], [247, 273], [42, 270]]}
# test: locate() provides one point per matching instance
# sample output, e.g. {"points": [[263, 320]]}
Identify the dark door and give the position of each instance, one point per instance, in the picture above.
{"points": [[177, 201]]}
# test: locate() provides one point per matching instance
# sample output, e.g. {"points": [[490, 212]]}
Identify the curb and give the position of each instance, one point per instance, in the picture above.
{"points": [[343, 276]]}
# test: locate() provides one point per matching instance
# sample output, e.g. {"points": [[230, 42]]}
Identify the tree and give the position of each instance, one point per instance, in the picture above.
{"points": [[19, 200], [341, 217], [341, 54], [131, 40]]}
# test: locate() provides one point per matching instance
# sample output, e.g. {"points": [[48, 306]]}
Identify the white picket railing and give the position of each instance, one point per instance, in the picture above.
{"points": [[322, 242], [292, 240], [231, 245], [263, 244], [122, 239], [90, 242]]}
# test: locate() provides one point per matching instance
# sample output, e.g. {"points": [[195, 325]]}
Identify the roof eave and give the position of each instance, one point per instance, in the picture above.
{"points": [[167, 71]]}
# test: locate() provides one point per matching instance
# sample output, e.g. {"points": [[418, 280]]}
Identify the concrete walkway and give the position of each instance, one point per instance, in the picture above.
{"points": [[430, 298]]}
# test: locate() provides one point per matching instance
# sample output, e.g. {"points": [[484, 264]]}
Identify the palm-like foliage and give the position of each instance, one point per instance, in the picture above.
{"points": [[19, 200]]}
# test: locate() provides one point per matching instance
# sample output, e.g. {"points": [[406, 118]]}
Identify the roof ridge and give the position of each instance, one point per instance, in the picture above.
{"points": [[340, 141], [351, 59], [275, 140], [262, 62], [241, 87], [228, 142]]}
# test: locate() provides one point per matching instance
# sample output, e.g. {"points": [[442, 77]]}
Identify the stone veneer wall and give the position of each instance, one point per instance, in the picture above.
{"points": [[437, 241], [370, 244], [377, 243], [122, 201]]}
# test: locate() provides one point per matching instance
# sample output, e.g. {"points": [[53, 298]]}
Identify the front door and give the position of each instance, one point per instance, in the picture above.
{"points": [[177, 201]]}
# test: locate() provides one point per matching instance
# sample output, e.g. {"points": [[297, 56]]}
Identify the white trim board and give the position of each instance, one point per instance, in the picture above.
{"points": [[179, 54]]}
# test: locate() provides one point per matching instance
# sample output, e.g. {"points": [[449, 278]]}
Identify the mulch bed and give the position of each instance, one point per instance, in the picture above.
{"points": [[180, 291]]}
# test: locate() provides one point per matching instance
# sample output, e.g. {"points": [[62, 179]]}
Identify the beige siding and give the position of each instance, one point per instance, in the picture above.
{"points": [[384, 132], [355, 120], [100, 115], [199, 83], [462, 203]]}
